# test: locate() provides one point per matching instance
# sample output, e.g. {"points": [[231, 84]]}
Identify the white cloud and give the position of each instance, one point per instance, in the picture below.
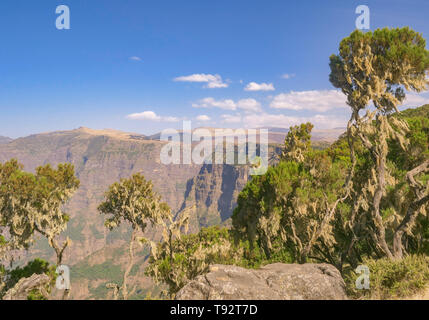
{"points": [[213, 81], [415, 100], [253, 86], [288, 75], [315, 100], [249, 105], [229, 118], [324, 100], [146, 115], [170, 119], [226, 104], [258, 120], [283, 121], [203, 117], [151, 116], [135, 58]]}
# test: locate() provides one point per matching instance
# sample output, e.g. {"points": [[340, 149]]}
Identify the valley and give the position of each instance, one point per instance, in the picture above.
{"points": [[102, 157]]}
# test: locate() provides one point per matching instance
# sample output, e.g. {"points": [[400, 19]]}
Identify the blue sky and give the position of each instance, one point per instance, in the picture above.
{"points": [[142, 66]]}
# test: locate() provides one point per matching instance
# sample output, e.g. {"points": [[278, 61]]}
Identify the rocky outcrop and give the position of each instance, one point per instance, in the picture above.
{"points": [[211, 196], [273, 282], [25, 285], [100, 158]]}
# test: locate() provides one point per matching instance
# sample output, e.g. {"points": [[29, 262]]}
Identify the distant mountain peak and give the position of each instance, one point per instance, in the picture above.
{"points": [[102, 132], [85, 132], [4, 140]]}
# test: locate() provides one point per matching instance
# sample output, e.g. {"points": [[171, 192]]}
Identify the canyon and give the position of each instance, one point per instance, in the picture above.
{"points": [[102, 157]]}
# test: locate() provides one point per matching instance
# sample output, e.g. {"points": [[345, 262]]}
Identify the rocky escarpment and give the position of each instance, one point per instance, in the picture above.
{"points": [[272, 282], [100, 158], [211, 195]]}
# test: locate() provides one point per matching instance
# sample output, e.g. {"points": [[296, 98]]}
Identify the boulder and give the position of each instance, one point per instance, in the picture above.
{"points": [[25, 285], [272, 282]]}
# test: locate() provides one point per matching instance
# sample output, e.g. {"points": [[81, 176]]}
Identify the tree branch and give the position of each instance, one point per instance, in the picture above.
{"points": [[413, 210]]}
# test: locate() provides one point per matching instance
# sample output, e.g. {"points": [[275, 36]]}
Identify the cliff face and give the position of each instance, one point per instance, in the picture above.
{"points": [[211, 196], [100, 159]]}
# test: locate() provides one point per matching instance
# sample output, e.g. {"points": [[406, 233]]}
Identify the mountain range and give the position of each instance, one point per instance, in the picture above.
{"points": [[102, 157]]}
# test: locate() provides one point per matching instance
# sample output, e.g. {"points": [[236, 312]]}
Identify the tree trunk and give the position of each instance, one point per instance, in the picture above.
{"points": [[378, 220], [378, 152], [59, 253], [413, 210], [380, 156], [130, 265]]}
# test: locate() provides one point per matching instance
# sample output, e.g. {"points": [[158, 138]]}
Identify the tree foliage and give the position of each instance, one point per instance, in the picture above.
{"points": [[179, 259], [294, 202], [366, 196], [297, 142], [33, 204], [133, 201], [175, 263], [308, 205], [376, 69]]}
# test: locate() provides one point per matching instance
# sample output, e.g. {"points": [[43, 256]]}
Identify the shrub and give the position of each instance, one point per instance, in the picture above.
{"points": [[392, 279], [192, 254]]}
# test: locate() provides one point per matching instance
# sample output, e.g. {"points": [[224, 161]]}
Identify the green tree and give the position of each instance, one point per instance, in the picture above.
{"points": [[376, 68], [295, 202], [135, 202], [3, 250], [32, 203], [166, 259], [16, 189], [297, 142], [54, 188], [177, 260]]}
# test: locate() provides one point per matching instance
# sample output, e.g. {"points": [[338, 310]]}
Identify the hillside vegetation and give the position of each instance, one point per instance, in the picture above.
{"points": [[363, 200], [286, 216]]}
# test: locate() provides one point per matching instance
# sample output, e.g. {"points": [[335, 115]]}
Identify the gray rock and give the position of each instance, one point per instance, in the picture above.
{"points": [[272, 282], [25, 285]]}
